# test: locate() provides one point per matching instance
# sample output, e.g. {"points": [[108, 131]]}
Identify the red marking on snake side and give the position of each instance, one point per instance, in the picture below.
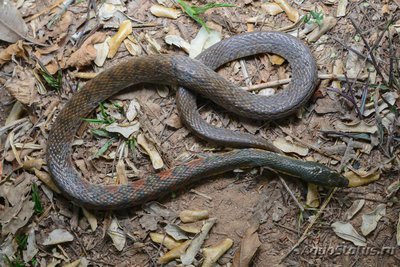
{"points": [[138, 184], [165, 175], [195, 163]]}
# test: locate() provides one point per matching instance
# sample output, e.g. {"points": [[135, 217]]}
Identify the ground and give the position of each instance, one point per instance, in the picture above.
{"points": [[350, 124]]}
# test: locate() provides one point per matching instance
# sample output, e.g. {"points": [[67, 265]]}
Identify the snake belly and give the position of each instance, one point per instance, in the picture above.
{"points": [[198, 76]]}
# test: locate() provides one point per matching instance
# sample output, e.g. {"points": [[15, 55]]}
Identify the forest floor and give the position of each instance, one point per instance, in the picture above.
{"points": [[49, 49]]}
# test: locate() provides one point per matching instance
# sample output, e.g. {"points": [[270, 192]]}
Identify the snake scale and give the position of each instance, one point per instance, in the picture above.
{"points": [[194, 76]]}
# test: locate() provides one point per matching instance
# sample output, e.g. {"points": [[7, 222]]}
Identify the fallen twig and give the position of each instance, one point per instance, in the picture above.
{"points": [[276, 83], [305, 233]]}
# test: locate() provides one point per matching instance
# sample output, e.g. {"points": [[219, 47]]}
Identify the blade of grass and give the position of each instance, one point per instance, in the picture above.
{"points": [[38, 208], [104, 148], [96, 121], [194, 11]]}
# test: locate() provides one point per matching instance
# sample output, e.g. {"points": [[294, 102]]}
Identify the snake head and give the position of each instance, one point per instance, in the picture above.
{"points": [[325, 176]]}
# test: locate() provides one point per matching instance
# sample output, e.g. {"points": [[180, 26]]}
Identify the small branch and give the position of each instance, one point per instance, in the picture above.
{"points": [[291, 193], [277, 83], [358, 53], [316, 217], [370, 50], [61, 12]]}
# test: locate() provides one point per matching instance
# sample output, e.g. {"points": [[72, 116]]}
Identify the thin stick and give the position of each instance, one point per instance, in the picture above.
{"points": [[370, 50], [307, 144], [316, 217], [291, 194], [276, 83]]}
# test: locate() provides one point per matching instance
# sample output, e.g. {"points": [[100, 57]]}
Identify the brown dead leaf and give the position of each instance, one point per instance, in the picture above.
{"points": [[61, 28], [362, 177], [291, 12], [271, 9], [121, 172], [46, 178], [87, 53], [46, 50], [22, 86], [18, 208], [12, 25], [114, 43], [151, 150], [213, 253], [174, 121], [248, 246], [165, 240], [16, 49]]}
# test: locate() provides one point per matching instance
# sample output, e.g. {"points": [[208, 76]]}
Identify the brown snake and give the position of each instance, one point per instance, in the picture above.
{"points": [[197, 76]]}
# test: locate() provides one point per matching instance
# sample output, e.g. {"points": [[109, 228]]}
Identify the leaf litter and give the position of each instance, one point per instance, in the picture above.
{"points": [[70, 41]]}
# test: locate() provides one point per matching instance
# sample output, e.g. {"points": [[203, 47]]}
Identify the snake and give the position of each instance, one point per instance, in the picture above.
{"points": [[191, 77]]}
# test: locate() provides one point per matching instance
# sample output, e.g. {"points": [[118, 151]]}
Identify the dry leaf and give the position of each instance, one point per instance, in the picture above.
{"points": [[47, 180], [398, 231], [178, 42], [327, 23], [164, 12], [159, 210], [133, 47], [114, 43], [175, 253], [107, 10], [7, 248], [122, 178], [133, 109], [370, 220], [355, 207], [60, 30], [271, 8], [86, 53], [17, 208], [73, 264], [58, 236], [341, 9], [102, 50], [276, 60], [292, 13], [203, 40], [354, 64], [355, 127], [312, 196], [192, 228], [287, 145], [153, 46], [187, 216], [12, 25], [175, 232], [155, 157], [117, 235], [91, 219], [149, 222], [126, 130], [31, 248], [20, 219], [248, 246], [197, 242], [347, 232], [213, 253], [22, 86], [164, 239], [361, 177], [174, 121], [16, 49]]}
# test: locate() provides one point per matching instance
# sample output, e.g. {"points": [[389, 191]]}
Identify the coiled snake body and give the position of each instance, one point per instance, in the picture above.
{"points": [[197, 76]]}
